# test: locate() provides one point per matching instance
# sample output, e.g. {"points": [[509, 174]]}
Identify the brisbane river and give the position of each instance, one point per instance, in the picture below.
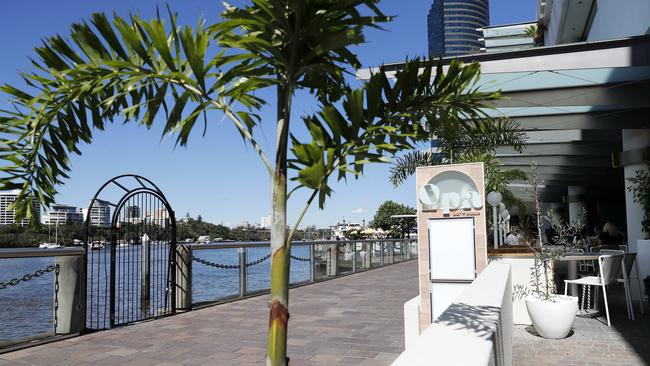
{"points": [[27, 309]]}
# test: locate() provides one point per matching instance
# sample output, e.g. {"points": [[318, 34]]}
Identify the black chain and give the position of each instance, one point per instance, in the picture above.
{"points": [[29, 276], [254, 263], [300, 259], [216, 265]]}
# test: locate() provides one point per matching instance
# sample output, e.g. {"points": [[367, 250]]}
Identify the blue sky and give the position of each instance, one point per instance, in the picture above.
{"points": [[218, 176]]}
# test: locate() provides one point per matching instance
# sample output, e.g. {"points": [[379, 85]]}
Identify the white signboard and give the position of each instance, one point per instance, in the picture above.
{"points": [[451, 249]]}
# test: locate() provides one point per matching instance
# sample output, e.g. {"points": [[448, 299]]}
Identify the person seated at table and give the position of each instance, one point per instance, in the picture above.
{"points": [[512, 238], [610, 235]]}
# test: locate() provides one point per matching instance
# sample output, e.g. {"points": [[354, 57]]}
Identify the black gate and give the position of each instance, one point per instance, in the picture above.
{"points": [[130, 238]]}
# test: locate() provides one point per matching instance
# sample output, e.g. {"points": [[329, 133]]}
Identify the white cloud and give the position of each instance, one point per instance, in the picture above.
{"points": [[358, 210]]}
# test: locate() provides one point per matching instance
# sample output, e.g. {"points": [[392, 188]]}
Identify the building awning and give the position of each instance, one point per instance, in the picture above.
{"points": [[573, 100]]}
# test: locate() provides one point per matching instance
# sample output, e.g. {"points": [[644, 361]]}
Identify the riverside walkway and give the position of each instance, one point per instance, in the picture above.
{"points": [[352, 320]]}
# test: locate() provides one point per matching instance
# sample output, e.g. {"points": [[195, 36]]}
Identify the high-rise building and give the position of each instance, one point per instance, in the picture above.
{"points": [[62, 214], [453, 27], [7, 216], [99, 214], [266, 222]]}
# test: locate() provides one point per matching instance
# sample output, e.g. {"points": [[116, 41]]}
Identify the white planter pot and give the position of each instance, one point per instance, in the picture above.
{"points": [[552, 319]]}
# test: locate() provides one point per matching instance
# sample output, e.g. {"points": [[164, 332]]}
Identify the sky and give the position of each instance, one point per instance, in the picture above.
{"points": [[217, 175]]}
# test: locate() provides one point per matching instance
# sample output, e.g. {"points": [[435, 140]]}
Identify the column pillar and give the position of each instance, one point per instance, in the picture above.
{"points": [[332, 260], [634, 144], [577, 202], [183, 277], [70, 310]]}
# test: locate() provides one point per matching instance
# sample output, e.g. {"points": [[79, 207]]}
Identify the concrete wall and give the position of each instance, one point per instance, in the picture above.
{"points": [[475, 330]]}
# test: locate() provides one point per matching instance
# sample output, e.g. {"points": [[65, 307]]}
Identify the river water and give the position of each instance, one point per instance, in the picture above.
{"points": [[26, 310]]}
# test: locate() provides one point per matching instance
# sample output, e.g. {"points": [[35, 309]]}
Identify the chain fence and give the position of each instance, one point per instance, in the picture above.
{"points": [[299, 259], [229, 266], [29, 276]]}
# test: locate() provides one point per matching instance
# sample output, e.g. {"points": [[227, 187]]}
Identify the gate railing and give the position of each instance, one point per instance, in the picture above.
{"points": [[68, 297], [243, 267]]}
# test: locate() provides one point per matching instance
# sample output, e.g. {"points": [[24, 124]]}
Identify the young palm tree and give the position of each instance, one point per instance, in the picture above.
{"points": [[148, 71], [467, 141]]}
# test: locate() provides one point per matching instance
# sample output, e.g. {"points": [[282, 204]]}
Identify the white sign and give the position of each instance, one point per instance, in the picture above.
{"points": [[450, 191]]}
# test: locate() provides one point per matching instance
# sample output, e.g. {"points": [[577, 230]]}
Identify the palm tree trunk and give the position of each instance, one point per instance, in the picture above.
{"points": [[280, 242]]}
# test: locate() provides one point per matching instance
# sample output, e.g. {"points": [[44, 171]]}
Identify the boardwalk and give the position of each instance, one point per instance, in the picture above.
{"points": [[353, 320]]}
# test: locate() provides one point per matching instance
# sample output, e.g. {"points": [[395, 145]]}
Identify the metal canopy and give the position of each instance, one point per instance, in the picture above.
{"points": [[573, 101]]}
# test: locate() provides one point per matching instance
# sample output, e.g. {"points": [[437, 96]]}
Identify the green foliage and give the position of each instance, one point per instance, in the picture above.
{"points": [[396, 227], [465, 137], [192, 229], [640, 189], [144, 71]]}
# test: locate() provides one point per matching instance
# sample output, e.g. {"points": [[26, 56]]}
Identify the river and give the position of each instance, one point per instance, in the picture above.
{"points": [[26, 310]]}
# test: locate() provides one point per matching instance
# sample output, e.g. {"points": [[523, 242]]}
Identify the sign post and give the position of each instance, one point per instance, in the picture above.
{"points": [[451, 234]]}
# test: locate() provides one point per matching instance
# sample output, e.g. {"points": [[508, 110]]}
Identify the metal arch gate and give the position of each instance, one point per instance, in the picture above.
{"points": [[130, 269]]}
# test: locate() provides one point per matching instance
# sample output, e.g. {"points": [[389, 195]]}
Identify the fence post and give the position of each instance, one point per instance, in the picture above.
{"points": [[391, 252], [184, 277], [367, 258], [381, 256], [312, 263], [145, 275], [332, 260], [354, 257], [242, 272], [69, 309]]}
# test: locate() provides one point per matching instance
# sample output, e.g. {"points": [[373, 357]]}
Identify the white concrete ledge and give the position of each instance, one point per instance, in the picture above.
{"points": [[475, 330]]}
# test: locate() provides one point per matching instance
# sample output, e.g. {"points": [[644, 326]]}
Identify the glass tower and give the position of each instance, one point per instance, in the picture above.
{"points": [[452, 26]]}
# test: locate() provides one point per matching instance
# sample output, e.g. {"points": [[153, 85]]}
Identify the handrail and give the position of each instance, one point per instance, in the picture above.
{"points": [[263, 244], [6, 253]]}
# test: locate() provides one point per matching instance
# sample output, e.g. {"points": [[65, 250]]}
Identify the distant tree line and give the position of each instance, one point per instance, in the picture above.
{"points": [[15, 236]]}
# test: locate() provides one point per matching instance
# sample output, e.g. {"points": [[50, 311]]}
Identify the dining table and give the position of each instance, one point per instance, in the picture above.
{"points": [[573, 259]]}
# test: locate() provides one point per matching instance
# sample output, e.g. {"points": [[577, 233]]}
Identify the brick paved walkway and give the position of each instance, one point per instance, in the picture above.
{"points": [[592, 342], [354, 320]]}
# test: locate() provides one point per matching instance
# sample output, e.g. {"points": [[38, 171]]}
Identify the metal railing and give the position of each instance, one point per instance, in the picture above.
{"points": [[314, 260], [244, 267], [25, 291]]}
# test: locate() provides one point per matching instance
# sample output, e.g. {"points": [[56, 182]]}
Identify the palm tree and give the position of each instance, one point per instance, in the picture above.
{"points": [[145, 71], [468, 141]]}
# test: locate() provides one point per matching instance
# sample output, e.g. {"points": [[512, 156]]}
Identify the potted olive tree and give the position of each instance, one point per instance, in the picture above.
{"points": [[552, 314]]}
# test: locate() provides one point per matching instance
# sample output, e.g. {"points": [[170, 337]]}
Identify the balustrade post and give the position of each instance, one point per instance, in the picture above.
{"points": [[242, 272], [69, 296], [312, 263], [145, 275], [367, 258], [332, 260], [381, 256], [184, 277]]}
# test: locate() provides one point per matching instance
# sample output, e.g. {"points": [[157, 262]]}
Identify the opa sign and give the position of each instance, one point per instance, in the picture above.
{"points": [[450, 191]]}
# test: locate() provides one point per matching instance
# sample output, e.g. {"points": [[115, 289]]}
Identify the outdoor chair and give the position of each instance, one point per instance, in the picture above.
{"points": [[629, 263], [610, 270]]}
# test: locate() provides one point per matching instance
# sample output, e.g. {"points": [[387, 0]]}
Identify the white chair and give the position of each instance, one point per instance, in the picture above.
{"points": [[610, 271], [627, 265]]}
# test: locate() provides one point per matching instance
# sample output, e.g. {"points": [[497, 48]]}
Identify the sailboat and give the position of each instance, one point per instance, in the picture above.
{"points": [[50, 245]]}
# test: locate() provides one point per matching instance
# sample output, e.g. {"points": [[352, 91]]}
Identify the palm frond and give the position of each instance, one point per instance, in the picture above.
{"points": [[405, 165]]}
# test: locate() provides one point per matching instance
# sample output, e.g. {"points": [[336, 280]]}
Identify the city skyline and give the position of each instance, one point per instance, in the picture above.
{"points": [[218, 176]]}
